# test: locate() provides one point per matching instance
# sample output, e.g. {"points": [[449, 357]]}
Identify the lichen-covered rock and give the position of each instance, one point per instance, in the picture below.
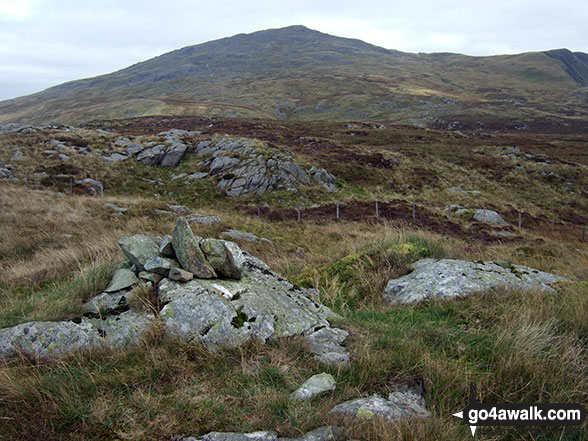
{"points": [[187, 250], [122, 279], [179, 209], [225, 257], [224, 312], [447, 278], [152, 155], [328, 433], [53, 339], [139, 249], [246, 237], [203, 220], [165, 246], [399, 405], [314, 386], [234, 436], [326, 344]]}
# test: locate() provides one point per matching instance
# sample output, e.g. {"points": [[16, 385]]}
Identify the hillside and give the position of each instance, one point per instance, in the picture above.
{"points": [[301, 74]]}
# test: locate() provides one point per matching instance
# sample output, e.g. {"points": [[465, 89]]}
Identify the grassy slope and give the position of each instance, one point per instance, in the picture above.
{"points": [[516, 347], [304, 74]]}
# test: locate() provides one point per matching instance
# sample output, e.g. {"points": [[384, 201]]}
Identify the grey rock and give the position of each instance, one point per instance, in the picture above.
{"points": [[92, 185], [180, 275], [63, 157], [106, 303], [447, 278], [160, 265], [326, 344], [121, 141], [400, 405], [486, 216], [134, 148], [18, 156], [225, 257], [150, 277], [195, 176], [166, 212], [165, 246], [117, 208], [225, 312], [234, 436], [314, 386], [187, 249], [139, 249], [122, 279], [174, 154], [203, 220], [115, 157], [246, 237], [179, 209], [54, 339], [178, 176], [152, 155], [328, 433]]}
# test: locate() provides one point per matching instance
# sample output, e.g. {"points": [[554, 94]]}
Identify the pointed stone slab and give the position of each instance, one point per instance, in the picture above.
{"points": [[122, 279], [187, 249], [139, 249]]}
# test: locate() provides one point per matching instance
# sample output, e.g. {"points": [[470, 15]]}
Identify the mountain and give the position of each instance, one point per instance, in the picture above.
{"points": [[298, 73]]}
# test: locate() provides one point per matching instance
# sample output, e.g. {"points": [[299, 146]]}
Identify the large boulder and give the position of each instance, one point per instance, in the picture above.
{"points": [[447, 278], [484, 216], [225, 257], [139, 249], [187, 249]]}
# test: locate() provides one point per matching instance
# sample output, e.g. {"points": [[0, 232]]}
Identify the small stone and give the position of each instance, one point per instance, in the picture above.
{"points": [[117, 208], [150, 277], [122, 279], [314, 386], [180, 275], [160, 265], [179, 209]]}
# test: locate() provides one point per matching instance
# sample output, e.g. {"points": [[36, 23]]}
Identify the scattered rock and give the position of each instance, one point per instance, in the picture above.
{"points": [[234, 436], [485, 216], [329, 433], [180, 275], [447, 278], [166, 212], [326, 344], [106, 303], [225, 257], [195, 176], [314, 386], [246, 237], [133, 149], [152, 155], [91, 185], [179, 176], [18, 156], [187, 249], [179, 209], [139, 249], [150, 277], [118, 209], [399, 406], [122, 279], [203, 220], [115, 157]]}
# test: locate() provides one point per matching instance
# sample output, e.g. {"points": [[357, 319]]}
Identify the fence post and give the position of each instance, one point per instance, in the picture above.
{"points": [[298, 209], [413, 211], [337, 211], [258, 212], [101, 190], [584, 234], [520, 220], [377, 211], [70, 186]]}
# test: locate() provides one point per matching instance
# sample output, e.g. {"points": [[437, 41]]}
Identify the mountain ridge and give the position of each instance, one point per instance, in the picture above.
{"points": [[299, 73]]}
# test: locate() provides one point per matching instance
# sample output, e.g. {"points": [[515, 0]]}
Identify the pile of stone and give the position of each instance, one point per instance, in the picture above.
{"points": [[166, 154], [7, 171], [212, 292]]}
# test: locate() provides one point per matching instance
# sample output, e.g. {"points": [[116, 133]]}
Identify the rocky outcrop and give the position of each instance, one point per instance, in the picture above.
{"points": [[316, 385], [399, 406], [244, 167], [447, 278]]}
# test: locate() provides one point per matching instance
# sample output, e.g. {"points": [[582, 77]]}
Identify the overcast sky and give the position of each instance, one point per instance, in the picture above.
{"points": [[46, 42]]}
